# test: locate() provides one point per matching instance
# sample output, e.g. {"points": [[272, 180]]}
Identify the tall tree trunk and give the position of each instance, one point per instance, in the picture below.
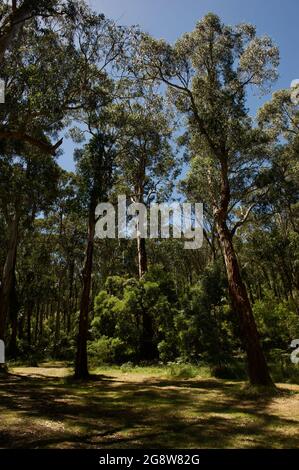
{"points": [[257, 367], [12, 348], [148, 351], [37, 316], [30, 308], [8, 275], [142, 256], [70, 296], [81, 367], [41, 321], [58, 316]]}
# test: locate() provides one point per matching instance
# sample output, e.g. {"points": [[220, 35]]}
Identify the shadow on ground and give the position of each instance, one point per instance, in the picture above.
{"points": [[40, 411]]}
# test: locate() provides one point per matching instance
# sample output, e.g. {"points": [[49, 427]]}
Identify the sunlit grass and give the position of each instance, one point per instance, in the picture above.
{"points": [[143, 407]]}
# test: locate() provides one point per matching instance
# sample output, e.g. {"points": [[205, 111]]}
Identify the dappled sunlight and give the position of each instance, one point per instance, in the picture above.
{"points": [[43, 408]]}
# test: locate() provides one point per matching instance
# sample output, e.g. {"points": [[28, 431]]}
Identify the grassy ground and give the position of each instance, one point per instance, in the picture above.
{"points": [[140, 408]]}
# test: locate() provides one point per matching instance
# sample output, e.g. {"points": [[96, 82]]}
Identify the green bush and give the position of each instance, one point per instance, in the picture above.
{"points": [[122, 307], [107, 351], [127, 367], [182, 371], [277, 321]]}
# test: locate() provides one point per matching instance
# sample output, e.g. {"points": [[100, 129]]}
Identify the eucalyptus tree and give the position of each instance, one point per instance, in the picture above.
{"points": [[47, 72], [103, 47], [45, 75], [146, 167], [15, 15], [208, 72], [16, 19], [49, 77], [95, 164], [34, 92], [147, 162]]}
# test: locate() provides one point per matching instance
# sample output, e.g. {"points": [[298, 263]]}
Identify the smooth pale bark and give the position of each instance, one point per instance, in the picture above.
{"points": [[81, 367], [7, 281]]}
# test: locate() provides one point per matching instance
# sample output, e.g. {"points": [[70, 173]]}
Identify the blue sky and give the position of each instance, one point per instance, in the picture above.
{"points": [[169, 19]]}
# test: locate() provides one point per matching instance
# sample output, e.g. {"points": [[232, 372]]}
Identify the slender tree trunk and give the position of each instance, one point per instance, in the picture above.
{"points": [[148, 352], [70, 296], [21, 327], [8, 275], [141, 246], [257, 367], [29, 317], [81, 367], [14, 321], [37, 323], [142, 256], [29, 326], [58, 316], [41, 321]]}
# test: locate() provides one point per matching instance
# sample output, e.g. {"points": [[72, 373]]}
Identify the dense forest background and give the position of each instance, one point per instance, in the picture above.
{"points": [[158, 123]]}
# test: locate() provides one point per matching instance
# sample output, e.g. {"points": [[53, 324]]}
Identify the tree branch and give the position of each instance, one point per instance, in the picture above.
{"points": [[241, 222], [23, 137]]}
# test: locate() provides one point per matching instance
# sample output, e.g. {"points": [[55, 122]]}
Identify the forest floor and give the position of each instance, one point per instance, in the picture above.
{"points": [[42, 407]]}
